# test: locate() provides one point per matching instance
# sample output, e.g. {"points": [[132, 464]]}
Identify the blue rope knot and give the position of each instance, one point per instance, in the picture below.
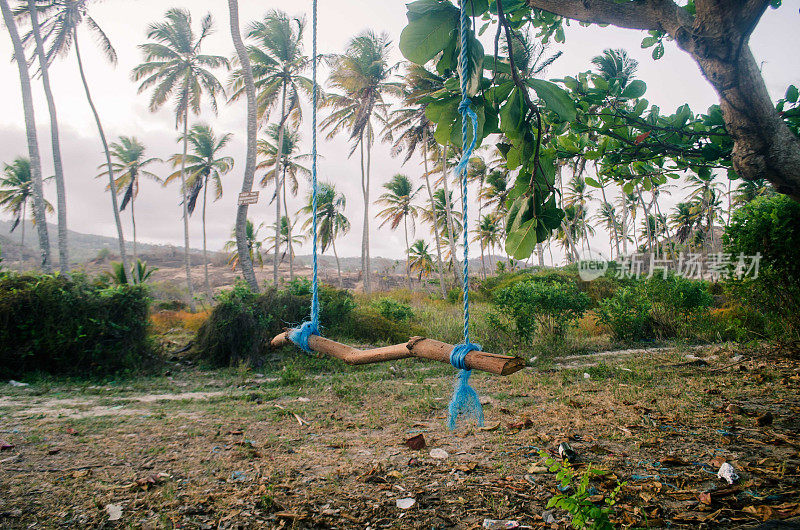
{"points": [[465, 399], [467, 113], [301, 335]]}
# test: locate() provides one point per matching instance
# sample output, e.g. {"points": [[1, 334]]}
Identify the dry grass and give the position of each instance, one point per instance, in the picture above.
{"points": [[238, 456], [164, 321]]}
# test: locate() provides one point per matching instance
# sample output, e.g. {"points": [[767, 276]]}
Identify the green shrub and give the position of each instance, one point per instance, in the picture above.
{"points": [[546, 307], [626, 315], [367, 325], [768, 226], [242, 323], [71, 326], [676, 303], [393, 310]]}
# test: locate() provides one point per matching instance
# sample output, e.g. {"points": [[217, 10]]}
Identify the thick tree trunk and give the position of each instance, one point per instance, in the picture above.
{"points": [[716, 38], [61, 194], [112, 185], [435, 225], [187, 263], [33, 142], [245, 262]]}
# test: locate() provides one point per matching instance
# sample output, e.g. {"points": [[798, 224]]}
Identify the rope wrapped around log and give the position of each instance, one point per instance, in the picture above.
{"points": [[416, 347]]}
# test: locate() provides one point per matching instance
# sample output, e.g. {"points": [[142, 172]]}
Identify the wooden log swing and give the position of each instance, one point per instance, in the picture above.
{"points": [[419, 347]]}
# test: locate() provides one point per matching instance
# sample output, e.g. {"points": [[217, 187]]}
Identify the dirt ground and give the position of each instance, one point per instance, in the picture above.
{"points": [[314, 444]]}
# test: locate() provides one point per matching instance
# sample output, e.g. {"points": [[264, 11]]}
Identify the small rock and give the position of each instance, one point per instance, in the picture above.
{"points": [[733, 409], [416, 442], [439, 454], [566, 452], [586, 375], [548, 518], [114, 512], [406, 503], [727, 473], [500, 524], [17, 384], [765, 419], [6, 446]]}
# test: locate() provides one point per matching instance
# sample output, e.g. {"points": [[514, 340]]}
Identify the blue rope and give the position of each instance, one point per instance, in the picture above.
{"points": [[310, 327], [465, 400]]}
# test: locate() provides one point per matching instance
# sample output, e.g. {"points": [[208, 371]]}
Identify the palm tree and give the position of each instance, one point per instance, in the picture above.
{"points": [[578, 194], [436, 215], [250, 161], [399, 203], [420, 259], [416, 132], [16, 189], [362, 73], [285, 238], [705, 191], [684, 220], [55, 143], [175, 68], [607, 215], [331, 221], [287, 165], [60, 23], [203, 167], [489, 233], [616, 65], [477, 169], [30, 129], [254, 245], [749, 190], [129, 164], [278, 66]]}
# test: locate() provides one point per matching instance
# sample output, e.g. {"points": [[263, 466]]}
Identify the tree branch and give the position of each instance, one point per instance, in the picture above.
{"points": [[657, 15]]}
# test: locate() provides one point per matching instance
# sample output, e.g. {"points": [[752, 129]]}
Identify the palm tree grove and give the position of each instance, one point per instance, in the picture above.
{"points": [[425, 264]]}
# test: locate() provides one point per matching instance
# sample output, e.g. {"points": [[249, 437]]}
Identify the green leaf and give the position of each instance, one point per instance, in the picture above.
{"points": [[555, 98], [649, 41], [792, 94], [431, 27], [592, 182], [511, 113], [658, 51], [635, 89], [521, 243], [476, 8]]}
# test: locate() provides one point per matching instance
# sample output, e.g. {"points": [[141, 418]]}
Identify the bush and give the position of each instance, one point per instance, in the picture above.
{"points": [[768, 226], [71, 326], [676, 304], [546, 307], [626, 315], [242, 323], [164, 321], [393, 310], [365, 324]]}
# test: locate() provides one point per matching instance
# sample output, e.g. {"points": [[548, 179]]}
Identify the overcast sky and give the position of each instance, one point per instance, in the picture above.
{"points": [[672, 81]]}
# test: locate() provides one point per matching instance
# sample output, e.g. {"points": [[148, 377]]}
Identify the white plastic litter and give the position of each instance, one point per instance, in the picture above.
{"points": [[114, 512], [439, 454], [405, 504], [727, 473], [17, 383]]}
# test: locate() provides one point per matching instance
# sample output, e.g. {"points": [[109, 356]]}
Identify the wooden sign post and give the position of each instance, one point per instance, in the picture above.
{"points": [[248, 197]]}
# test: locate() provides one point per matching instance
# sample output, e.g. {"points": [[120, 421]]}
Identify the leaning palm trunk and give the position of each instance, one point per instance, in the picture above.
{"points": [[276, 173], [22, 235], [646, 220], [112, 185], [187, 264], [61, 195], [205, 244], [365, 236], [245, 261], [30, 129], [408, 253], [133, 228], [450, 226], [338, 265], [435, 223], [289, 247], [613, 219]]}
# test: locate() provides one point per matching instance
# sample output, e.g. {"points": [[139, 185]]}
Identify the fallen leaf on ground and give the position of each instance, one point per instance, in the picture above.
{"points": [[490, 427]]}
